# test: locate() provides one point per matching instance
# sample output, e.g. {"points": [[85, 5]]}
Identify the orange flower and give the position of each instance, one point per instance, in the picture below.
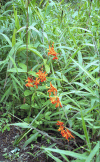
{"points": [[53, 100], [42, 76], [29, 85], [59, 123], [58, 102], [52, 89], [36, 82], [61, 128], [30, 80], [65, 135], [64, 131], [52, 52], [69, 134], [55, 58]]}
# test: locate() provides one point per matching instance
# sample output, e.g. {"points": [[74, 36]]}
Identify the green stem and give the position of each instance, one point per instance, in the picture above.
{"points": [[27, 3]]}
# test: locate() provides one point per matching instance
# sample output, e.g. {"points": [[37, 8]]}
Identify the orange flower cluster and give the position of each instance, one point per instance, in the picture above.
{"points": [[52, 52], [36, 82], [54, 99], [64, 131], [52, 89], [30, 80], [41, 78]]}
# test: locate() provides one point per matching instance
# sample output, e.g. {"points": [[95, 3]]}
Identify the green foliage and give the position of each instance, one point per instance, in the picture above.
{"points": [[24, 43]]}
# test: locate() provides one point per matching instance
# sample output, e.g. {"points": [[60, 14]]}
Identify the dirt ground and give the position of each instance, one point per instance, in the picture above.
{"points": [[6, 147], [17, 154]]}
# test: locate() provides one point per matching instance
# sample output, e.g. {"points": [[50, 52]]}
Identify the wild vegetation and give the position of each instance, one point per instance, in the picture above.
{"points": [[49, 77]]}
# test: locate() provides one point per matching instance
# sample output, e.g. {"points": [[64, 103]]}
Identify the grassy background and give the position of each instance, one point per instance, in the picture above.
{"points": [[26, 31]]}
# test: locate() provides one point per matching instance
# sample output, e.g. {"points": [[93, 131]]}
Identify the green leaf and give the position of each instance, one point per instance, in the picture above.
{"points": [[32, 73], [53, 157], [82, 29], [74, 54], [28, 92], [47, 68], [18, 70], [35, 52], [16, 20], [72, 100], [7, 39], [93, 152], [34, 29], [6, 94], [30, 48], [77, 160], [13, 38], [88, 44], [22, 125], [23, 135], [16, 87], [30, 139], [85, 87], [47, 115], [39, 14], [22, 28], [85, 132], [16, 81], [86, 72], [69, 153], [25, 106], [64, 47], [23, 66], [65, 157], [13, 63]]}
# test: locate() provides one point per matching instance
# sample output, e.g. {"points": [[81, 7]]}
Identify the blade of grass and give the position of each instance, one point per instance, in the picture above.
{"points": [[93, 152], [86, 72], [16, 80], [53, 157], [7, 39], [85, 132], [69, 153]]}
